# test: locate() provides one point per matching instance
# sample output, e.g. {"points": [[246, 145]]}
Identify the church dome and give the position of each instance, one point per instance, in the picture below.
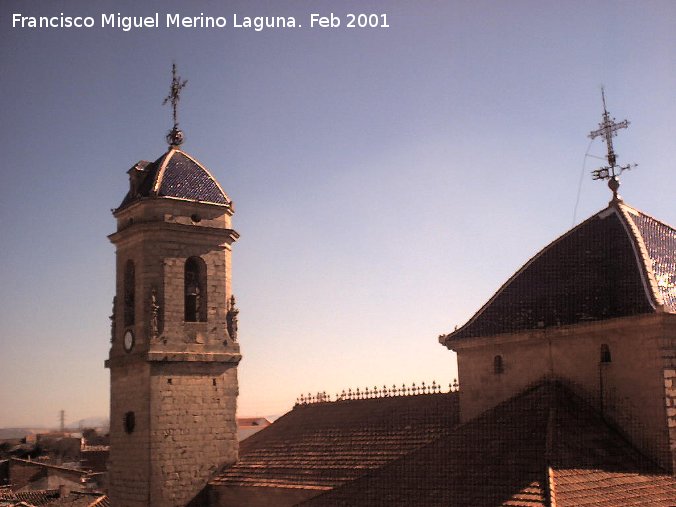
{"points": [[174, 175], [617, 263]]}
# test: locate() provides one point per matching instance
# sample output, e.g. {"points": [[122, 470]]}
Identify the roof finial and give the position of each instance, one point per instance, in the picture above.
{"points": [[608, 128], [175, 136]]}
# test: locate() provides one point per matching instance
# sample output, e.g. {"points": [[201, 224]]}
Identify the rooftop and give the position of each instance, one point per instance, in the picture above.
{"points": [[544, 443], [325, 444], [174, 175], [617, 263]]}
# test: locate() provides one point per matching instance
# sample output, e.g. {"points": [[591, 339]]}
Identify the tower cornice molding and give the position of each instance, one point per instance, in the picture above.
{"points": [[172, 357], [154, 200], [202, 234]]}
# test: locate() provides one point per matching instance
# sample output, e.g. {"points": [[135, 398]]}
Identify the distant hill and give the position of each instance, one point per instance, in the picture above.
{"points": [[7, 433], [91, 422]]}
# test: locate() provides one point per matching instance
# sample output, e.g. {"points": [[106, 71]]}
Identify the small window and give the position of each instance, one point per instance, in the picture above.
{"points": [[498, 365], [195, 290], [605, 354], [129, 293], [129, 422]]}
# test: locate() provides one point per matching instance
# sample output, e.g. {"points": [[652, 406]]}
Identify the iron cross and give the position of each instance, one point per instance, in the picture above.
{"points": [[608, 129], [175, 93]]}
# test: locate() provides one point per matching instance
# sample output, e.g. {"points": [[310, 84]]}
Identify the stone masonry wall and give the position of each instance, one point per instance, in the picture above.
{"points": [[668, 352], [670, 402], [159, 236], [194, 430], [629, 390], [207, 336], [128, 466], [181, 383]]}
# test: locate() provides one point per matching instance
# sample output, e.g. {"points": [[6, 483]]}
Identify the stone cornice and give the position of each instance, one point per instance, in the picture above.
{"points": [[154, 201], [202, 234], [643, 321], [171, 357]]}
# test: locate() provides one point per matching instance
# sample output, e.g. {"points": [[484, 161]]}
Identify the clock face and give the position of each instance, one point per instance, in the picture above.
{"points": [[128, 340]]}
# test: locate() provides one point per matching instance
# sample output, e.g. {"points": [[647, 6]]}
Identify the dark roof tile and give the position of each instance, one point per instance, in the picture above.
{"points": [[617, 263], [510, 455], [176, 175], [80, 499], [319, 446], [34, 497], [660, 242]]}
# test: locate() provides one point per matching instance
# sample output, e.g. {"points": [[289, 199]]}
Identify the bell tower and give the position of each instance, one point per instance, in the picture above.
{"points": [[174, 351]]}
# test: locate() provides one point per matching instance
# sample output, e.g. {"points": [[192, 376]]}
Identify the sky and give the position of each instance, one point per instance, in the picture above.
{"points": [[387, 180]]}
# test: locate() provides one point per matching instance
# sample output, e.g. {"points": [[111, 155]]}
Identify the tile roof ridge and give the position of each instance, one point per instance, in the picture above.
{"points": [[630, 208], [159, 174], [544, 383], [100, 500], [49, 465], [642, 256], [564, 387], [550, 490], [550, 480]]}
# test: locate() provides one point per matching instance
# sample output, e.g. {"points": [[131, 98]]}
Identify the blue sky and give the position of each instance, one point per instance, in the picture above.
{"points": [[386, 181]]}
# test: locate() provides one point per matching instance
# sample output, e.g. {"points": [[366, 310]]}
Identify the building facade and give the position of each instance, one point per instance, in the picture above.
{"points": [[595, 309], [174, 352]]}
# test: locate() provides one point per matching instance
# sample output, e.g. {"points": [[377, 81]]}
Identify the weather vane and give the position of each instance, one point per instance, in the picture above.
{"points": [[608, 129], [175, 136]]}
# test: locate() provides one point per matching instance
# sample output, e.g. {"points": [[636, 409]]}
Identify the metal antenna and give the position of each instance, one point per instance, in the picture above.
{"points": [[608, 129], [175, 135]]}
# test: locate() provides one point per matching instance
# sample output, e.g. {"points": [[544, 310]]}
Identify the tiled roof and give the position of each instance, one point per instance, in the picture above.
{"points": [[544, 442], [175, 174], [23, 472], [619, 262], [103, 501], [81, 499], [598, 488], [660, 251], [50, 497], [38, 464], [321, 445], [33, 497]]}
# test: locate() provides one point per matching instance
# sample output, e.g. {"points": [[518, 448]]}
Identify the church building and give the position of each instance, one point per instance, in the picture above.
{"points": [[567, 374]]}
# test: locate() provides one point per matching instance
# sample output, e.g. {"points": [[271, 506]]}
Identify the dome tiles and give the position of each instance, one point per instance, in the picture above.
{"points": [[175, 175], [619, 262]]}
